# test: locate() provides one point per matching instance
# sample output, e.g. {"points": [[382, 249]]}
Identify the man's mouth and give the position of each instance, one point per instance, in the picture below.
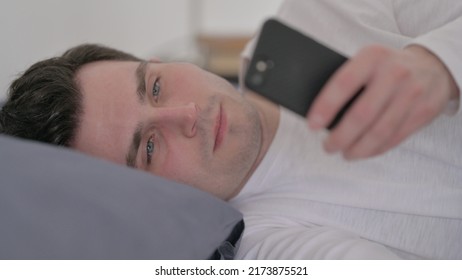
{"points": [[220, 128]]}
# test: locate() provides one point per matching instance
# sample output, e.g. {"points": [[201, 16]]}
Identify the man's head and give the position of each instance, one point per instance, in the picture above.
{"points": [[45, 101], [171, 119]]}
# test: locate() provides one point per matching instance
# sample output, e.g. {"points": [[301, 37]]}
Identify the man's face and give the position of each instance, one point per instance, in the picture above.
{"points": [[173, 120]]}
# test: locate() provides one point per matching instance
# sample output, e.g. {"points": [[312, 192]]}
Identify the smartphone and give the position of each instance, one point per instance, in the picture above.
{"points": [[290, 69]]}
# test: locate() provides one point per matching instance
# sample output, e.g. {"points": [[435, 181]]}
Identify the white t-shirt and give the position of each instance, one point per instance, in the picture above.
{"points": [[303, 203], [409, 200]]}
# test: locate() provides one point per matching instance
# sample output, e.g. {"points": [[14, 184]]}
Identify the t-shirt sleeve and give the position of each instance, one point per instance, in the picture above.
{"points": [[446, 44], [439, 25]]}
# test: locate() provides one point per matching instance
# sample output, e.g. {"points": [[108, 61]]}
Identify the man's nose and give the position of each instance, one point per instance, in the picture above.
{"points": [[178, 118]]}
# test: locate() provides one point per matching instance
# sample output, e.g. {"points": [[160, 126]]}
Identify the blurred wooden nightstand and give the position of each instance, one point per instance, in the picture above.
{"points": [[221, 54]]}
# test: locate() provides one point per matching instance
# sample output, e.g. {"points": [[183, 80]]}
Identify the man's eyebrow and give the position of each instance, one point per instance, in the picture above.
{"points": [[140, 75], [134, 146]]}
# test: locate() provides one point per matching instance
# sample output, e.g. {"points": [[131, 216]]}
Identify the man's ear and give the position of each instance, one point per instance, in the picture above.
{"points": [[155, 60]]}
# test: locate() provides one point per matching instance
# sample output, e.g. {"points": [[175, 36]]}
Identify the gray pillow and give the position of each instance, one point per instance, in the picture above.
{"points": [[58, 204]]}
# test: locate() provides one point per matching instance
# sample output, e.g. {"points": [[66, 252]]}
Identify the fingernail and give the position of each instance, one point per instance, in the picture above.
{"points": [[316, 122], [349, 157], [330, 148]]}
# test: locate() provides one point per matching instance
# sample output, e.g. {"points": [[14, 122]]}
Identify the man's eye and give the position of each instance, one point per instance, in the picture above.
{"points": [[156, 90], [149, 149]]}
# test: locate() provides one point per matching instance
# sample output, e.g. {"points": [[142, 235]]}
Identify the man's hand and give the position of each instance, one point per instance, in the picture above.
{"points": [[404, 90]]}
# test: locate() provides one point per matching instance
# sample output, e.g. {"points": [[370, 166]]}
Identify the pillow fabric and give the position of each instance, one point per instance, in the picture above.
{"points": [[58, 204]]}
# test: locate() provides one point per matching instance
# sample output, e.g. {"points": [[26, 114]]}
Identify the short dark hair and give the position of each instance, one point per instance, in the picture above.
{"points": [[44, 103]]}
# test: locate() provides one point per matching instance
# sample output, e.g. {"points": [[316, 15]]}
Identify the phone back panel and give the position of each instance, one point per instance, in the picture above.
{"points": [[290, 68]]}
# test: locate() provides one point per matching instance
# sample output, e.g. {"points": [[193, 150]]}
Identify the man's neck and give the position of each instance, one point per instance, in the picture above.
{"points": [[269, 115], [269, 118]]}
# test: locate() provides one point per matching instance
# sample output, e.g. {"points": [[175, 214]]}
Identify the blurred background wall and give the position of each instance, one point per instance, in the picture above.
{"points": [[207, 32]]}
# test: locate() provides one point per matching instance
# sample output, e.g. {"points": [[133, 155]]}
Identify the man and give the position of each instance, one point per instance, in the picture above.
{"points": [[180, 122]]}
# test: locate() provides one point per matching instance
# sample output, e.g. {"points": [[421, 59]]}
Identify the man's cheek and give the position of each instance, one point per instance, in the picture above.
{"points": [[176, 166]]}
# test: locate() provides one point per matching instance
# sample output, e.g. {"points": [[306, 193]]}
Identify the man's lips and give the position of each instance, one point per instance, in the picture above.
{"points": [[220, 128]]}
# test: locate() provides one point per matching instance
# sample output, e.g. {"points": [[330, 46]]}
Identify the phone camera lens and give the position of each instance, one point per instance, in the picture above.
{"points": [[264, 65], [256, 79], [261, 66]]}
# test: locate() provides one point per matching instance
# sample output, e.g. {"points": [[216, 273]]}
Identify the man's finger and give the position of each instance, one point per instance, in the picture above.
{"points": [[387, 126], [343, 85], [359, 123]]}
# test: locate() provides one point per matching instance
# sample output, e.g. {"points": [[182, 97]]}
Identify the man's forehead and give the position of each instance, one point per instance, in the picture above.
{"points": [[102, 140], [109, 109]]}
